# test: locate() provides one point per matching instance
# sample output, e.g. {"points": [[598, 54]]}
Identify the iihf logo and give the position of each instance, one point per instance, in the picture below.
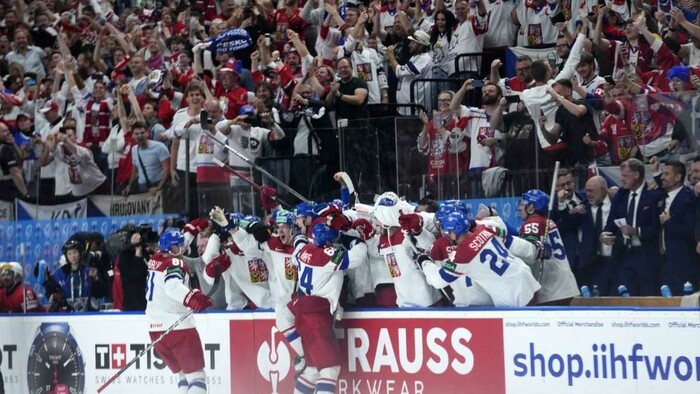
{"points": [[273, 360]]}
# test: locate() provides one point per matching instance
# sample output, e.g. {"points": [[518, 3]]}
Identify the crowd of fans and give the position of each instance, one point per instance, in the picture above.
{"points": [[104, 97]]}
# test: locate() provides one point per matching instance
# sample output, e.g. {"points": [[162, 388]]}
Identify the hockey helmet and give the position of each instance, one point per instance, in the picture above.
{"points": [[538, 198], [324, 234], [171, 237], [305, 209], [455, 222]]}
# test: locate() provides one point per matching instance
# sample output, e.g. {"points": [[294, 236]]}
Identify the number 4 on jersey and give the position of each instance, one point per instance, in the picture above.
{"points": [[305, 281]]}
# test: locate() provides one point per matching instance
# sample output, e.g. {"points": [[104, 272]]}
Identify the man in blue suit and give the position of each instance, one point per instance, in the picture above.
{"points": [[568, 216], [636, 242], [681, 263], [597, 266]]}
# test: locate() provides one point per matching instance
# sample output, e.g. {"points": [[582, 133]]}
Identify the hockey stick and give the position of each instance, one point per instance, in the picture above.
{"points": [[182, 318], [552, 194], [257, 167], [247, 180]]}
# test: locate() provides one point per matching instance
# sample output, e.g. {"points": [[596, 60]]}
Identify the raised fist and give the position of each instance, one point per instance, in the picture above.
{"points": [[196, 226], [267, 198], [217, 266], [340, 222], [411, 222]]}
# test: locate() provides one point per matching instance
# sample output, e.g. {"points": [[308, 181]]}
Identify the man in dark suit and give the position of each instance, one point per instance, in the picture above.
{"points": [[636, 242], [569, 216], [597, 268], [681, 263]]}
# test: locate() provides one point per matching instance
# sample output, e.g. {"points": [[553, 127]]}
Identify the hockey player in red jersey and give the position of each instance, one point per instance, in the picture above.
{"points": [[557, 280], [321, 265], [169, 297], [15, 296]]}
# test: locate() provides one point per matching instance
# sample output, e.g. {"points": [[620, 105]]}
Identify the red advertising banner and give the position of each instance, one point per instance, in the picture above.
{"points": [[380, 355]]}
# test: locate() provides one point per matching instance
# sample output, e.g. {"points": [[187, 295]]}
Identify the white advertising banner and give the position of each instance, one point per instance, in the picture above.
{"points": [[538, 351], [134, 204]]}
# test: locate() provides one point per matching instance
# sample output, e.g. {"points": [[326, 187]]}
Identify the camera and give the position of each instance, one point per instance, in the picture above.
{"points": [[121, 240]]}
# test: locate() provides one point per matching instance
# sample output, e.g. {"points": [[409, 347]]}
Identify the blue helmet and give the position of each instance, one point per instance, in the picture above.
{"points": [[284, 217], [234, 219], [305, 209], [538, 198], [448, 207], [252, 218], [455, 222], [323, 234], [170, 237]]}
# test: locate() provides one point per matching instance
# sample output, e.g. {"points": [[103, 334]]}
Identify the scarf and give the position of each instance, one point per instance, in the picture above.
{"points": [[96, 127]]}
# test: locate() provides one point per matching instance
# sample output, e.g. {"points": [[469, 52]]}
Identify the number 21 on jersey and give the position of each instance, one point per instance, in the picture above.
{"points": [[150, 285]]}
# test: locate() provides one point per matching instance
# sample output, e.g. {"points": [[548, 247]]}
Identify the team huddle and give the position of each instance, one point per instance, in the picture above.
{"points": [[307, 263]]}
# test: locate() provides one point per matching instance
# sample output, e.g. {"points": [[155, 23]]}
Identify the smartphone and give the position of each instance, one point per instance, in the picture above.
{"points": [[513, 99], [267, 39], [602, 3], [559, 17], [478, 83]]}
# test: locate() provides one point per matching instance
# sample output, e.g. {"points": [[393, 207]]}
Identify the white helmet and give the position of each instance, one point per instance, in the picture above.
{"points": [[387, 209], [13, 266]]}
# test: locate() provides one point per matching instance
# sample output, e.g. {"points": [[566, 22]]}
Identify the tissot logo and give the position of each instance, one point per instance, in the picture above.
{"points": [[116, 355]]}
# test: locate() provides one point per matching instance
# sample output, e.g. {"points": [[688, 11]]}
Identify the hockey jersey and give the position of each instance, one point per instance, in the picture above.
{"points": [[482, 271], [557, 280], [167, 285], [19, 298]]}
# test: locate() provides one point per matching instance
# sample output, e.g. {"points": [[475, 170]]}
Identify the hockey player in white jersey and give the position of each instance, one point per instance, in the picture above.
{"points": [[557, 280], [403, 237], [239, 272], [169, 297], [382, 282], [257, 241], [321, 265]]}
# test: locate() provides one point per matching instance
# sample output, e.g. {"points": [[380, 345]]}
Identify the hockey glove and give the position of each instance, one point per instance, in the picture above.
{"points": [[196, 226], [348, 241], [340, 222], [411, 222], [197, 301], [544, 250], [267, 194], [223, 263], [261, 232], [421, 260], [330, 209]]}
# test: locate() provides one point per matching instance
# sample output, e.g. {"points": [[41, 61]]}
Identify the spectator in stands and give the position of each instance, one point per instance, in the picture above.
{"points": [[532, 17], [635, 243], [417, 67], [150, 163], [213, 181], [573, 121], [186, 126], [349, 95], [522, 79], [680, 263], [29, 56], [84, 175], [196, 266], [11, 182], [684, 142], [502, 31], [441, 35], [468, 38], [366, 62]]}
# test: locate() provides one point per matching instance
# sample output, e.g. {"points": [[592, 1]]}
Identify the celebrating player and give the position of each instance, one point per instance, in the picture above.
{"points": [[321, 265], [557, 280], [169, 297]]}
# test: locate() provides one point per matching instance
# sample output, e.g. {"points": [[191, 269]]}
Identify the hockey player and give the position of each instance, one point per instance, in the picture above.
{"points": [[557, 280], [321, 265], [402, 237], [257, 241], [169, 297], [382, 283], [16, 297], [305, 215], [481, 270], [241, 274]]}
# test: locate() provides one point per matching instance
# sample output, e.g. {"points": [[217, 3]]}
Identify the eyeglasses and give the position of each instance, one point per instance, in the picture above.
{"points": [[522, 69]]}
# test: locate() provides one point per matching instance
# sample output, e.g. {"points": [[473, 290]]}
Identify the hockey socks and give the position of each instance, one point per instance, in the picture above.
{"points": [[197, 382]]}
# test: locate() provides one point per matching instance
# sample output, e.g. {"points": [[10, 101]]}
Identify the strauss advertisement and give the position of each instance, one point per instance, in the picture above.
{"points": [[380, 355]]}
